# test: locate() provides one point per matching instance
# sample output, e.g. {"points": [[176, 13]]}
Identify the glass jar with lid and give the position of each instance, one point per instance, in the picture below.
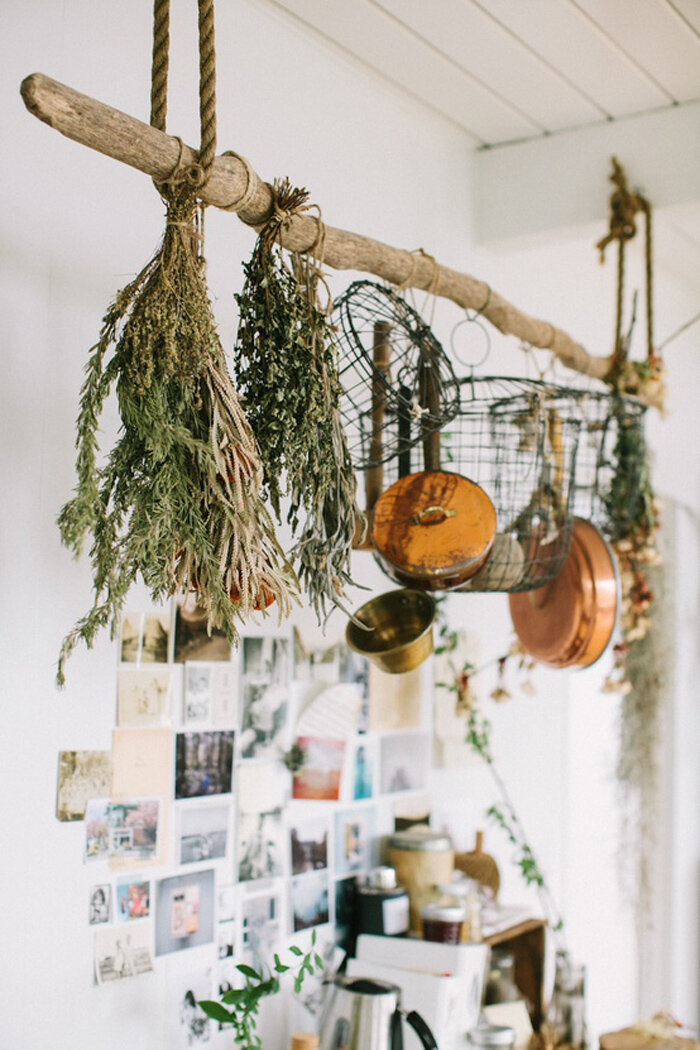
{"points": [[465, 893], [491, 1037], [422, 858]]}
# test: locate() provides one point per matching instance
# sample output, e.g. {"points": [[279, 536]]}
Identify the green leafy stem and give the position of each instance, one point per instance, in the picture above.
{"points": [[240, 1007], [504, 815]]}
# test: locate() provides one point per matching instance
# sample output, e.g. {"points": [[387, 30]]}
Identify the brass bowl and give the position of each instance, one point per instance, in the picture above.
{"points": [[398, 632]]}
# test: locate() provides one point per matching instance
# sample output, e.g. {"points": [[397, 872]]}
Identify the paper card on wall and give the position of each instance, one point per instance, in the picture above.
{"points": [[145, 637], [123, 951], [310, 900], [82, 775], [404, 761], [394, 699], [224, 695], [319, 777], [184, 911], [142, 762], [124, 832], [143, 696], [450, 748], [185, 1023], [333, 713], [262, 849]]}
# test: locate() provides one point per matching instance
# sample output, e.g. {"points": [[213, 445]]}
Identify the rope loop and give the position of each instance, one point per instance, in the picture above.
{"points": [[196, 175]]}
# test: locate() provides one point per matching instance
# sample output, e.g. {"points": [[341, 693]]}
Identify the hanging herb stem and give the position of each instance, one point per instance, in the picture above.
{"points": [[177, 499], [286, 370]]}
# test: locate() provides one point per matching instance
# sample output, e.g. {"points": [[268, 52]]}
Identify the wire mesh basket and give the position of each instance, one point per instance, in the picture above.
{"points": [[394, 374], [611, 461], [517, 439]]}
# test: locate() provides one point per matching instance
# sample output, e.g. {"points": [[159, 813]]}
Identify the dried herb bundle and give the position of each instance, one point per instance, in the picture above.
{"points": [[286, 370], [177, 499]]}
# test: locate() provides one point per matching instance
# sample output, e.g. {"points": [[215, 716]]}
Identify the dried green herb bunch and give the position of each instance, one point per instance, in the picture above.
{"points": [[177, 499], [287, 372]]}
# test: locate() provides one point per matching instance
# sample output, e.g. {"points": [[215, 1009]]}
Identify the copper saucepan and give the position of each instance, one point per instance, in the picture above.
{"points": [[569, 622], [433, 530]]}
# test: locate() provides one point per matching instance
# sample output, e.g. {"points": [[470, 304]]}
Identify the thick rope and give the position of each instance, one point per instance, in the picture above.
{"points": [[648, 257], [207, 87], [160, 61], [198, 173]]}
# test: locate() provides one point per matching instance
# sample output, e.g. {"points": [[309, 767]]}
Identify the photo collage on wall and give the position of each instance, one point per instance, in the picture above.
{"points": [[237, 805]]}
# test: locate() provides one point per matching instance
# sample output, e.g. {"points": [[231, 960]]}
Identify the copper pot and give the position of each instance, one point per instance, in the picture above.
{"points": [[569, 622], [433, 530]]}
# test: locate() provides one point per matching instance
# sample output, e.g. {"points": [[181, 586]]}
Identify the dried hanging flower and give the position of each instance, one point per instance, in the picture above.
{"points": [[287, 372], [177, 500]]}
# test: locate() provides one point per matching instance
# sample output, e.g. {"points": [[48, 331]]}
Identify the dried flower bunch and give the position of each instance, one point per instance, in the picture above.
{"points": [[287, 372], [178, 498]]}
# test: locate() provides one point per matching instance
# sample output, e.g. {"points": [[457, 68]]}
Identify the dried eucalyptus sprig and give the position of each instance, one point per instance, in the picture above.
{"points": [[287, 372], [177, 499]]}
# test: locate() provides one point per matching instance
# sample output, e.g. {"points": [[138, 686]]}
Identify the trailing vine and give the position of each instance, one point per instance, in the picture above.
{"points": [[478, 736]]}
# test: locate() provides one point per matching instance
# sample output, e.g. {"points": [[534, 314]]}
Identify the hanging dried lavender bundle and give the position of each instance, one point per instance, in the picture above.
{"points": [[177, 499], [287, 372]]}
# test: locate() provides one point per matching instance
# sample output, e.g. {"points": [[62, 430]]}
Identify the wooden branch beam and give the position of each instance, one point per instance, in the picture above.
{"points": [[129, 140]]}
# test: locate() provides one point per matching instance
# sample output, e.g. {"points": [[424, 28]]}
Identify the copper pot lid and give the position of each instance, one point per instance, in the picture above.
{"points": [[569, 622], [434, 527]]}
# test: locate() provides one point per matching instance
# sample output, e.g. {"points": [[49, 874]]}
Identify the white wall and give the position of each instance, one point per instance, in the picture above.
{"points": [[74, 227]]}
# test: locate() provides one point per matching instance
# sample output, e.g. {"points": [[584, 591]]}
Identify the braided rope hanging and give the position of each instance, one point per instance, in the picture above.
{"points": [[177, 499]]}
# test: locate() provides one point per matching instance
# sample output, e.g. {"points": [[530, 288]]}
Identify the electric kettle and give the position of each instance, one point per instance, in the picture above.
{"points": [[364, 1014]]}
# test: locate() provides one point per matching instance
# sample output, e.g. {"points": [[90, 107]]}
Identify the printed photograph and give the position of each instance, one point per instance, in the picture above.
{"points": [[145, 637], [319, 776], [310, 900], [155, 638], [133, 829], [130, 638], [197, 693], [127, 830], [261, 835], [344, 913], [143, 696], [363, 774], [97, 829], [335, 712], [82, 775], [123, 952], [224, 695], [353, 840], [133, 900], [184, 911], [193, 640], [100, 909], [394, 699], [226, 939], [226, 902], [203, 832], [203, 763], [309, 845], [265, 676], [404, 759], [186, 1025], [260, 926]]}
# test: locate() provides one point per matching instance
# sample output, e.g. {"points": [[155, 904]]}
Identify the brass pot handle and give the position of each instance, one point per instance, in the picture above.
{"points": [[433, 515]]}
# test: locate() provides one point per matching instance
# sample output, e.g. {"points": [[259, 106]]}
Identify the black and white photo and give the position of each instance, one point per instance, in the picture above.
{"points": [[203, 832], [308, 840], [261, 837], [100, 910], [310, 900], [265, 677]]}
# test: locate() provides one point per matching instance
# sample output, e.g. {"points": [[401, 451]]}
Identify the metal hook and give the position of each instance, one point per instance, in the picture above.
{"points": [[471, 319]]}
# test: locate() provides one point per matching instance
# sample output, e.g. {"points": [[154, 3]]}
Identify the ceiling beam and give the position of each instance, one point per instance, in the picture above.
{"points": [[560, 181]]}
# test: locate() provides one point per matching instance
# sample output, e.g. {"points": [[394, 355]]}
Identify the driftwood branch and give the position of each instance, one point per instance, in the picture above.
{"points": [[129, 140]]}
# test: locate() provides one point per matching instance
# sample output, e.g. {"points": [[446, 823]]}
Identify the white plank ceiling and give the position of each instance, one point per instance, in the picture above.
{"points": [[508, 70]]}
